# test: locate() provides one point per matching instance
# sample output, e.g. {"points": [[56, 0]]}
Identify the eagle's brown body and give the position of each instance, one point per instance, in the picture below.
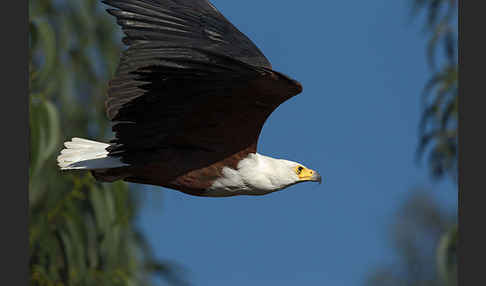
{"points": [[189, 98], [193, 170], [190, 172]]}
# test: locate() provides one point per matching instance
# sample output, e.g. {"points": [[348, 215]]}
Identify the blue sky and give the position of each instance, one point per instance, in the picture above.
{"points": [[363, 66]]}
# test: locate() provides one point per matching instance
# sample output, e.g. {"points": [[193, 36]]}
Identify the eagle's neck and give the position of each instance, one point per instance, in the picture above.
{"points": [[254, 175]]}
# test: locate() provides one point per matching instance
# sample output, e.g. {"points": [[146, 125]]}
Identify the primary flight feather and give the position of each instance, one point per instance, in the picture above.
{"points": [[188, 101]]}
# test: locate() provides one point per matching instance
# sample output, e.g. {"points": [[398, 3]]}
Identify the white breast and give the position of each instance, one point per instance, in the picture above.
{"points": [[254, 175]]}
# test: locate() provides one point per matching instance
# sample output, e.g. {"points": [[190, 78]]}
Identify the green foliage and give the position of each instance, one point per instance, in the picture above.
{"points": [[80, 232], [424, 236], [447, 257], [418, 228], [438, 127]]}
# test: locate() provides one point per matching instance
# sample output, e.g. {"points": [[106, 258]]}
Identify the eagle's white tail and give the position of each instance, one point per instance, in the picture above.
{"points": [[86, 154]]}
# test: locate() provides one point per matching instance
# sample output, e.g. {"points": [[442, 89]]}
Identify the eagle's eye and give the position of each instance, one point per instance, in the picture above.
{"points": [[299, 170]]}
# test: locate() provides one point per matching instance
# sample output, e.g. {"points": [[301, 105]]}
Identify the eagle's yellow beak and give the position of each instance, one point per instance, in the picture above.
{"points": [[309, 175]]}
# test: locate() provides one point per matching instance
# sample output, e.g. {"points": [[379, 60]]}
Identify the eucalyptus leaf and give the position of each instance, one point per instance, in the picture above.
{"points": [[47, 39], [447, 257]]}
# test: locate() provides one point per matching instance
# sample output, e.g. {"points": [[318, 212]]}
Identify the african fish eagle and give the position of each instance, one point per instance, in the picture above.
{"points": [[188, 101]]}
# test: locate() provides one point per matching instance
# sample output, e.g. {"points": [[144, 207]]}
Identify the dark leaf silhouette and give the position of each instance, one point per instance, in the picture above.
{"points": [[438, 126]]}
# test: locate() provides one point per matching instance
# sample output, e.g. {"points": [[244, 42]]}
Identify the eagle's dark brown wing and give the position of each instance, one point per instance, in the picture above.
{"points": [[188, 79], [184, 23]]}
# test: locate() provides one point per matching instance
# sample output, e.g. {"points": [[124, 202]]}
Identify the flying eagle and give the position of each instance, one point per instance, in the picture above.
{"points": [[188, 101]]}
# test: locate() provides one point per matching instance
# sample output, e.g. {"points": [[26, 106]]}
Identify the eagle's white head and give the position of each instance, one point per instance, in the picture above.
{"points": [[258, 175]]}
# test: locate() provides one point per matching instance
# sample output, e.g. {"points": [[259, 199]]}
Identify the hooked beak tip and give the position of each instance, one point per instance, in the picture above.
{"points": [[317, 178]]}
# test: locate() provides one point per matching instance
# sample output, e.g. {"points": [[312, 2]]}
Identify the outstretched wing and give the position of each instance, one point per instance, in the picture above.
{"points": [[189, 79], [184, 23]]}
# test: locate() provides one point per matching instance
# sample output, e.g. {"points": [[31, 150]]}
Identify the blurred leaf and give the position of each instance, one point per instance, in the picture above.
{"points": [[417, 229], [46, 132], [47, 40], [438, 124], [447, 257]]}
